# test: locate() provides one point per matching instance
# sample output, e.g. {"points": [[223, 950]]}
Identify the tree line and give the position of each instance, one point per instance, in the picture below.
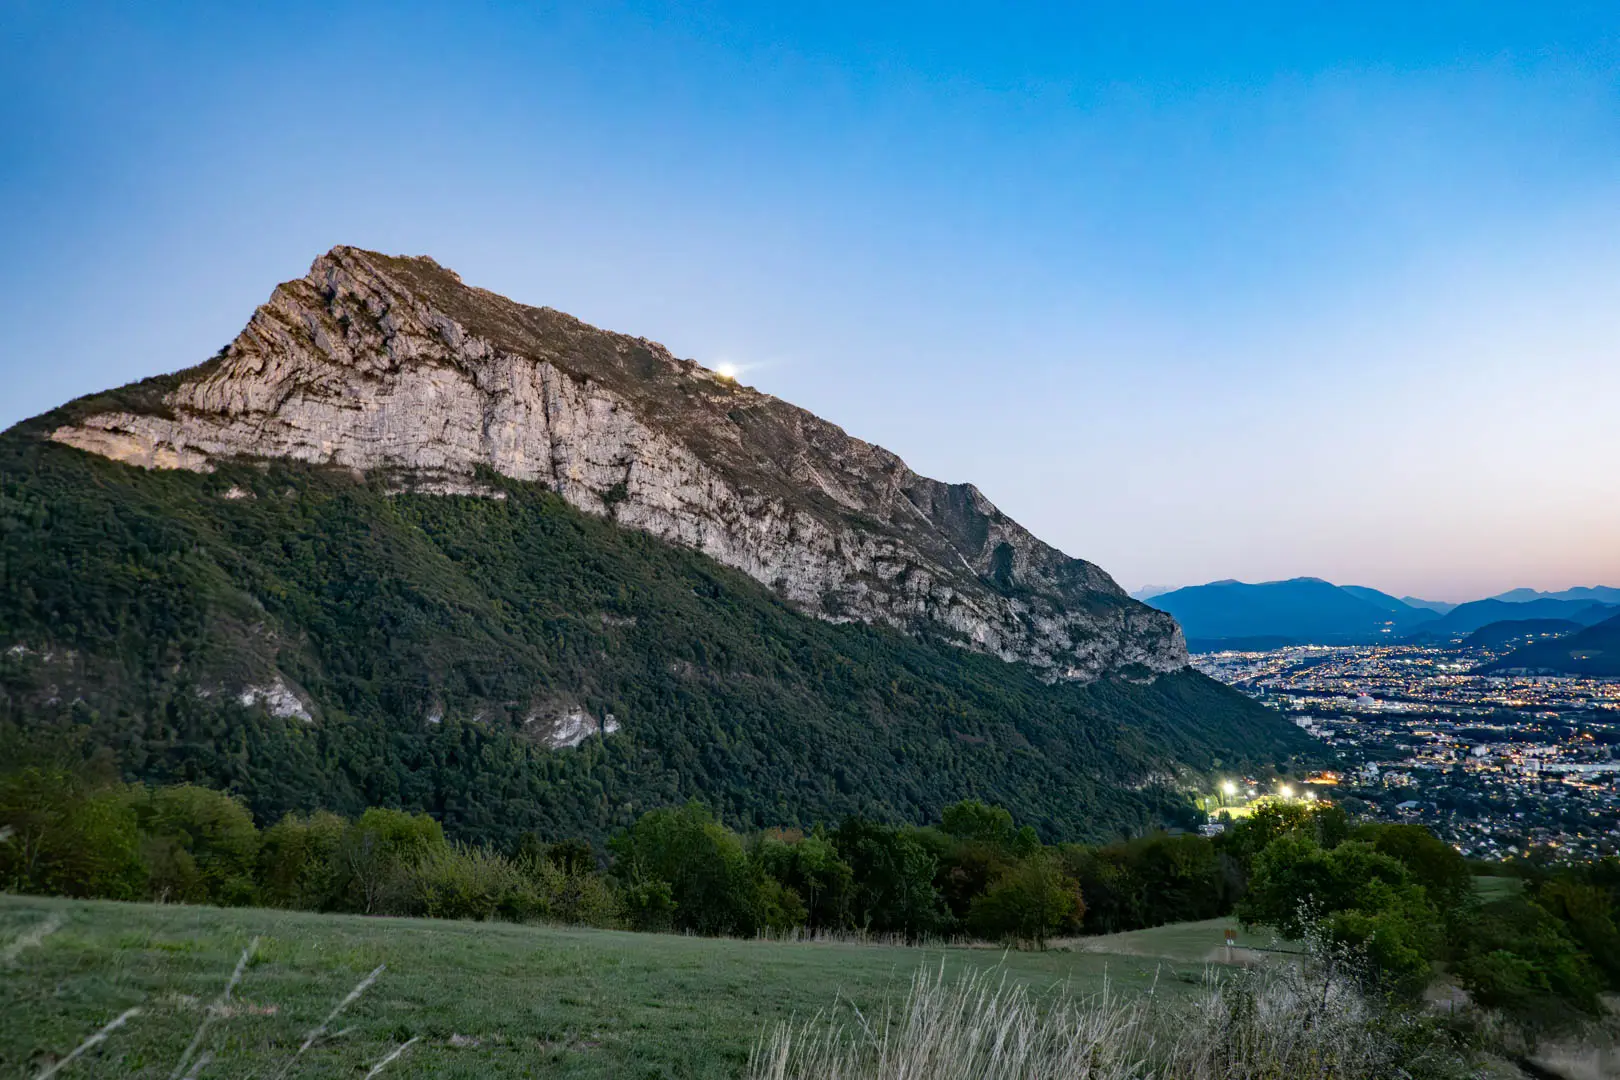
{"points": [[1400, 901]]}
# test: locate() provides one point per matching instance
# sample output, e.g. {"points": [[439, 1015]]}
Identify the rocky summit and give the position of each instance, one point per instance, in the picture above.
{"points": [[393, 367]]}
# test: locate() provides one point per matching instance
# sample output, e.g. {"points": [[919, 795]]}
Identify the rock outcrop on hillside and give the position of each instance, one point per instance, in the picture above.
{"points": [[374, 362]]}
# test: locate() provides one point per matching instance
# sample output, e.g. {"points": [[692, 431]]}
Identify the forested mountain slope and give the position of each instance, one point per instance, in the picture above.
{"points": [[405, 542], [445, 649]]}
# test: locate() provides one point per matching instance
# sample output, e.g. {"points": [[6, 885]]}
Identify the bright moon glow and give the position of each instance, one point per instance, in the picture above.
{"points": [[726, 371]]}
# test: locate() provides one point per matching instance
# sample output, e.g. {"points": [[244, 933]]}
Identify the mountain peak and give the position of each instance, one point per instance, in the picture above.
{"points": [[392, 365]]}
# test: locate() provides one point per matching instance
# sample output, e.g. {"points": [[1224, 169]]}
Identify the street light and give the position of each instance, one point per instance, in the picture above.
{"points": [[1230, 788], [1286, 792]]}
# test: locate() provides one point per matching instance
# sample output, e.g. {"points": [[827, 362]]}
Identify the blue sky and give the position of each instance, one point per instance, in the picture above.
{"points": [[1192, 290]]}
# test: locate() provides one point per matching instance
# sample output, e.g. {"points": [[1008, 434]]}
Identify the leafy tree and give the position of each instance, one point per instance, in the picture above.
{"points": [[702, 863], [1326, 825], [66, 837], [1433, 863], [1588, 913], [810, 867], [894, 880], [201, 845], [1354, 894], [299, 861], [378, 847], [972, 819], [1517, 957], [1151, 880], [1028, 902]]}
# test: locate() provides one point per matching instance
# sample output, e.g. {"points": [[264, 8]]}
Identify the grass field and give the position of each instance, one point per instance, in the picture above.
{"points": [[1497, 888], [482, 999], [1181, 947]]}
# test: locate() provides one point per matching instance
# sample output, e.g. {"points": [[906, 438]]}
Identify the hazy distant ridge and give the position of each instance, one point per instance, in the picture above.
{"points": [[1235, 614]]}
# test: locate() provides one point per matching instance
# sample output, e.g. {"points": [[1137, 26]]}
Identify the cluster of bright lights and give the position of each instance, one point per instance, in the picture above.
{"points": [[1230, 789]]}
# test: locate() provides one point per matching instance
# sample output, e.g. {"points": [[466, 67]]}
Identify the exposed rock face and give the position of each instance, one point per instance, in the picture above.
{"points": [[376, 362]]}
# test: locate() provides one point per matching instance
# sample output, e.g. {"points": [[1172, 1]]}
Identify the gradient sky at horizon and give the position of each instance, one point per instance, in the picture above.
{"points": [[1194, 291]]}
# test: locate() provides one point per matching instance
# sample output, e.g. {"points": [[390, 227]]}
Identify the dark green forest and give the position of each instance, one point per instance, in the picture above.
{"points": [[425, 632]]}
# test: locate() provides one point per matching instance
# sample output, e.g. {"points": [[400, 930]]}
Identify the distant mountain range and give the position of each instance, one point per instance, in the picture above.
{"points": [[1148, 592], [1300, 610], [1239, 615], [1592, 651], [1467, 618], [1603, 594], [1438, 606]]}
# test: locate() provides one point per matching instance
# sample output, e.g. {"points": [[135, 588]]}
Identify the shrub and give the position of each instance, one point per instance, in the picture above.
{"points": [[461, 882], [566, 891], [377, 848], [1517, 957]]}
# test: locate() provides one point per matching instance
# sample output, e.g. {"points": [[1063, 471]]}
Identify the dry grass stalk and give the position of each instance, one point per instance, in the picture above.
{"points": [[91, 1043], [319, 1032], [1299, 1022], [980, 1026], [398, 1050], [29, 939], [215, 1010]]}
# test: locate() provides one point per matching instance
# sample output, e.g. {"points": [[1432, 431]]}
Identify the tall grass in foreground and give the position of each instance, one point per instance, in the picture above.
{"points": [[1285, 1022]]}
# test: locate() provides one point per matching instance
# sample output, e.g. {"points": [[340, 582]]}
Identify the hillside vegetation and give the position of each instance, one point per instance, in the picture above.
{"points": [[438, 644]]}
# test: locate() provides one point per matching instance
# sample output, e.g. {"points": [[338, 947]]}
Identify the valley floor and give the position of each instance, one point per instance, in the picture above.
{"points": [[481, 999]]}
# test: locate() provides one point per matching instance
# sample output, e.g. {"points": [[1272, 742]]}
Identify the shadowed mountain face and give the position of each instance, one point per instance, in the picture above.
{"points": [[1518, 632], [392, 366], [1594, 650]]}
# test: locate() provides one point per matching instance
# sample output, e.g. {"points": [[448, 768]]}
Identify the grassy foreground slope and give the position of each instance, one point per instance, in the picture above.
{"points": [[484, 999], [435, 641]]}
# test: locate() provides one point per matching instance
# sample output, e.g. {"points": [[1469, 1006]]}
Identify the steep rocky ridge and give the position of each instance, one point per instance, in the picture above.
{"points": [[374, 362]]}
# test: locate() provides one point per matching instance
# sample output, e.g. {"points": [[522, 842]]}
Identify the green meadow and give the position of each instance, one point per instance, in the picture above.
{"points": [[480, 999]]}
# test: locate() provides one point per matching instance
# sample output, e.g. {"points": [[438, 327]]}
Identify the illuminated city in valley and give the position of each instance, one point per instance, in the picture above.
{"points": [[1496, 764]]}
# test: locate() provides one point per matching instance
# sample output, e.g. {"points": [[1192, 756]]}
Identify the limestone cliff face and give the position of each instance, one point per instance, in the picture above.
{"points": [[375, 362]]}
